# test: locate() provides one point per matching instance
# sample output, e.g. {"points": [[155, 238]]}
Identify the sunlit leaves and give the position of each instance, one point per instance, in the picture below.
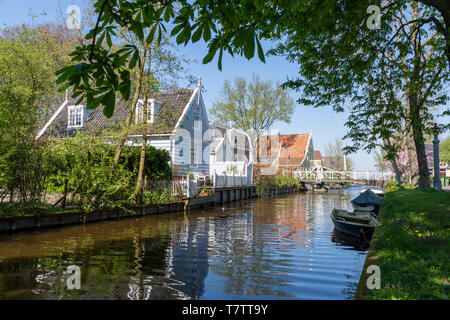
{"points": [[99, 71]]}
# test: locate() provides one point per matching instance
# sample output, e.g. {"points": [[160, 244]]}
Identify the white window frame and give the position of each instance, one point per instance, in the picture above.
{"points": [[79, 111], [151, 105]]}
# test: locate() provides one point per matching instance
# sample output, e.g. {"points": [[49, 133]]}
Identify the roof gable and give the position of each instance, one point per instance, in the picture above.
{"points": [[293, 147], [317, 155]]}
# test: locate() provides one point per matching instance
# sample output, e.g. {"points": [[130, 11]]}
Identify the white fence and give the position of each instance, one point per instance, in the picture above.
{"points": [[229, 174], [191, 185], [230, 180], [221, 168]]}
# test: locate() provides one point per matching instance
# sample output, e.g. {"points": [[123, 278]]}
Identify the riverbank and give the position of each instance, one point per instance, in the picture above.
{"points": [[54, 218], [410, 246]]}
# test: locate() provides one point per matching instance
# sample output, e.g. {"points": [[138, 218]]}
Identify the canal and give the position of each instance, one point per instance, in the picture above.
{"points": [[268, 248]]}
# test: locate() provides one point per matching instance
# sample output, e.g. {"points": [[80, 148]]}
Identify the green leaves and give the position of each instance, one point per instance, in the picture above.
{"points": [[211, 53], [206, 32], [125, 86], [99, 72], [260, 51], [109, 101], [197, 34], [249, 47], [135, 59]]}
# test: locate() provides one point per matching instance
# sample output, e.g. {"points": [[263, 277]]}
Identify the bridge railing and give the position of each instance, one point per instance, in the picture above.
{"points": [[341, 175]]}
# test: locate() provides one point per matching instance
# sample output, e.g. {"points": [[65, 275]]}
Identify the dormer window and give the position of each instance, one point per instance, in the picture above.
{"points": [[153, 107], [75, 116]]}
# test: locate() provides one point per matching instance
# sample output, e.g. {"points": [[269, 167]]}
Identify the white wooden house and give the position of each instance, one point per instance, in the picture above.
{"points": [[180, 126], [230, 150]]}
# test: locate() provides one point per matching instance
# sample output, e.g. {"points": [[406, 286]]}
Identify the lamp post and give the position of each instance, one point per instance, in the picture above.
{"points": [[437, 184]]}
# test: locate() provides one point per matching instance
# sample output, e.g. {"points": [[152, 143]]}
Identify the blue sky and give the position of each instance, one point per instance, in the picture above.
{"points": [[324, 123]]}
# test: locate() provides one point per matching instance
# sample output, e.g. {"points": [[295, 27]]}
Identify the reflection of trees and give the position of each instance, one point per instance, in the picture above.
{"points": [[247, 266], [249, 248], [15, 279], [116, 269]]}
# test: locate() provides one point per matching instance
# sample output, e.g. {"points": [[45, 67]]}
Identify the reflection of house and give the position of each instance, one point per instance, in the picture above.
{"points": [[189, 259], [288, 151]]}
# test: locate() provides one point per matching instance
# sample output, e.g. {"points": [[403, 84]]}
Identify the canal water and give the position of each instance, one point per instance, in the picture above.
{"points": [[270, 248]]}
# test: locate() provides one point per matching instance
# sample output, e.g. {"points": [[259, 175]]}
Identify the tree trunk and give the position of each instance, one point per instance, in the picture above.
{"points": [[140, 180], [138, 193], [398, 174], [66, 184], [257, 148], [124, 135], [413, 167], [416, 124]]}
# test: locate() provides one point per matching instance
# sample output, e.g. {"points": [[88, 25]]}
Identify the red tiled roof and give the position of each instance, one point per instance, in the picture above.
{"points": [[317, 155], [293, 147]]}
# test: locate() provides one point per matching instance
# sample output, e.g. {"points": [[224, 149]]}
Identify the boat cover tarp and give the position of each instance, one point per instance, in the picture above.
{"points": [[368, 198], [355, 216]]}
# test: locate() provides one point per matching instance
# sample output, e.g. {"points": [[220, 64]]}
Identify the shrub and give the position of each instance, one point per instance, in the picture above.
{"points": [[391, 186], [285, 181], [81, 168]]}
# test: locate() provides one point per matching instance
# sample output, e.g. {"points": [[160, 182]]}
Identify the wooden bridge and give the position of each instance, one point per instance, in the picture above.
{"points": [[326, 175]]}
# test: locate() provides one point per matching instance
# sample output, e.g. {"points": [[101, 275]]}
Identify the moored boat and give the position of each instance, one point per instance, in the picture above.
{"points": [[378, 192], [354, 223], [367, 201]]}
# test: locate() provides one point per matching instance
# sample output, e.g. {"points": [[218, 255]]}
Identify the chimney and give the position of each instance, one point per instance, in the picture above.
{"points": [[199, 86]]}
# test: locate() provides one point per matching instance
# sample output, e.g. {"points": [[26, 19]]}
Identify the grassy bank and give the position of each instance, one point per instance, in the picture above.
{"points": [[411, 247]]}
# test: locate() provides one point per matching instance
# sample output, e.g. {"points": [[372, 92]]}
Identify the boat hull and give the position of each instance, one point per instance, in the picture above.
{"points": [[352, 230], [352, 223]]}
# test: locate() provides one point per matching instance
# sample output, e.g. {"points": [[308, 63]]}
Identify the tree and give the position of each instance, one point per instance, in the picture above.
{"points": [[335, 152], [332, 41], [28, 61], [167, 69], [379, 158], [444, 150], [235, 29], [393, 76], [403, 163], [158, 68], [252, 106]]}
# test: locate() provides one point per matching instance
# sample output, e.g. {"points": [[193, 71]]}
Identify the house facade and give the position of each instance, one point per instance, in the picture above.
{"points": [[178, 123], [230, 150], [318, 160]]}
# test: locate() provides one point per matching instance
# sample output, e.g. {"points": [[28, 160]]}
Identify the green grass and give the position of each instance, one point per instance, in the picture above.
{"points": [[410, 246], [18, 211]]}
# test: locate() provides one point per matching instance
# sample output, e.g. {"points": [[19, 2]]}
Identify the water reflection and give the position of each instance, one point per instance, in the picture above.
{"points": [[272, 248]]}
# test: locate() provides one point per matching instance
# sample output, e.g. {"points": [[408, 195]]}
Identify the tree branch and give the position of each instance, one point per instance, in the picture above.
{"points": [[102, 9]]}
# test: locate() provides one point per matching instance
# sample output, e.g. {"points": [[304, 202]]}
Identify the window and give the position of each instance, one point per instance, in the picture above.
{"points": [[153, 107], [193, 153], [75, 116]]}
